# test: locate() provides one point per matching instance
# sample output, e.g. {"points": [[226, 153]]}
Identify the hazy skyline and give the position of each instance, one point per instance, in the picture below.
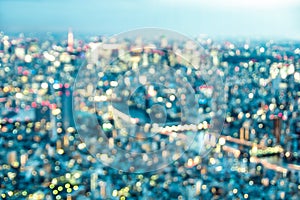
{"points": [[267, 18]]}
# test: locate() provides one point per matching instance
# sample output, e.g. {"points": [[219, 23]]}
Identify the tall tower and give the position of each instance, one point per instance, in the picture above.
{"points": [[277, 129], [67, 113], [70, 41]]}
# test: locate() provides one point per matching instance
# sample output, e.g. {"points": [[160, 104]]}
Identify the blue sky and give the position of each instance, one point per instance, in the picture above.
{"points": [[270, 18]]}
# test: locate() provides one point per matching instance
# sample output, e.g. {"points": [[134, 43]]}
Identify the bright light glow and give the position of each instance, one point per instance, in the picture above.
{"points": [[222, 141]]}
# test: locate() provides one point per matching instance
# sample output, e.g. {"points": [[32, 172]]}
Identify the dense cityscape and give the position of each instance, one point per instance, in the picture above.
{"points": [[111, 118]]}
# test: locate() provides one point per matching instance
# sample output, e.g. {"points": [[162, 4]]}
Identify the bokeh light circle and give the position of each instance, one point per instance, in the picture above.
{"points": [[147, 97]]}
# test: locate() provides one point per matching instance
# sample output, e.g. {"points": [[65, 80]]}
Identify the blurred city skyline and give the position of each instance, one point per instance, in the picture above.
{"points": [[269, 19], [149, 113]]}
